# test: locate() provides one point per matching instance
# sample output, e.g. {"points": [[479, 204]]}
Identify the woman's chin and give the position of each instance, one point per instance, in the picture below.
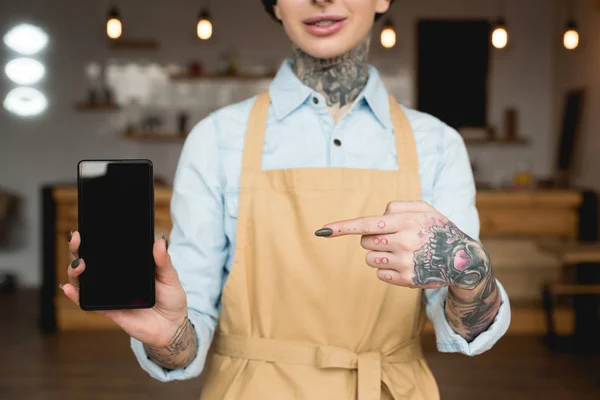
{"points": [[325, 49]]}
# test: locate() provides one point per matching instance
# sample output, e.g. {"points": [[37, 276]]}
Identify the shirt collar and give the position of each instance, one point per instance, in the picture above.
{"points": [[288, 93], [377, 98]]}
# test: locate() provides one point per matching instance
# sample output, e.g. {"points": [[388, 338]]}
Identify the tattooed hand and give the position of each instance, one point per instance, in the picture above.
{"points": [[414, 245], [450, 257]]}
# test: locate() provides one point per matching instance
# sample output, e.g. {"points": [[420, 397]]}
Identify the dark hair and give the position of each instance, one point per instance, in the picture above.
{"points": [[270, 3]]}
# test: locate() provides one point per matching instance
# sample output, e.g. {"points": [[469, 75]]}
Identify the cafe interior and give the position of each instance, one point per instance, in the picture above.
{"points": [[129, 79]]}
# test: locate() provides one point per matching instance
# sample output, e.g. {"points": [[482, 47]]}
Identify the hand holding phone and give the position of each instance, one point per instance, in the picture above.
{"points": [[154, 326], [119, 270]]}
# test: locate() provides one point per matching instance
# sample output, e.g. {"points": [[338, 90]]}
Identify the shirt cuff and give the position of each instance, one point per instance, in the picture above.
{"points": [[448, 341], [193, 370]]}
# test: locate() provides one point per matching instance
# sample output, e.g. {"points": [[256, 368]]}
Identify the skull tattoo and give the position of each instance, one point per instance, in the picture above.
{"points": [[450, 258]]}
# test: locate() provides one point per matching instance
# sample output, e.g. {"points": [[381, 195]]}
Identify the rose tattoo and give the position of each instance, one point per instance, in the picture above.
{"points": [[450, 258]]}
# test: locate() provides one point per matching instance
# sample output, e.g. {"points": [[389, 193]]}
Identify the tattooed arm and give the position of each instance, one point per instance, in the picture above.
{"points": [[452, 258], [180, 352], [471, 312]]}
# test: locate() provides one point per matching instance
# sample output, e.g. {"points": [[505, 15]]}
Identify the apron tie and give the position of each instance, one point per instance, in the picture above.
{"points": [[368, 364]]}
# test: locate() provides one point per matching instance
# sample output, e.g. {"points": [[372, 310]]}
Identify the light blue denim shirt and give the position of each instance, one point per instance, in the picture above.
{"points": [[301, 133]]}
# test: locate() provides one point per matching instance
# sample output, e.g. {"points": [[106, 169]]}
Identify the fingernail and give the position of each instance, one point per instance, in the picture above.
{"points": [[61, 286], [75, 263], [70, 236], [324, 232], [166, 243]]}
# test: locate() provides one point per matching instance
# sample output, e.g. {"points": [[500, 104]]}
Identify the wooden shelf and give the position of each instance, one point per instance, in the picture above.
{"points": [[85, 106], [154, 136], [242, 77], [133, 44], [499, 141]]}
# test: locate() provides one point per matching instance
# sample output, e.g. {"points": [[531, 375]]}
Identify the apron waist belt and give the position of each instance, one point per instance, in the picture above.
{"points": [[368, 364]]}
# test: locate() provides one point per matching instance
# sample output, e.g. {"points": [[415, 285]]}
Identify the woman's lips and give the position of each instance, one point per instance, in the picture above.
{"points": [[324, 25]]}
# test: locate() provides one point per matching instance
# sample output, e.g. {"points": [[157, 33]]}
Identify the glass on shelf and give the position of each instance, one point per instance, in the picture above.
{"points": [[93, 73], [523, 177]]}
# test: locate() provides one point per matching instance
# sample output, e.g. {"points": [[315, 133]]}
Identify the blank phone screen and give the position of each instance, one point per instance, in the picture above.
{"points": [[116, 223]]}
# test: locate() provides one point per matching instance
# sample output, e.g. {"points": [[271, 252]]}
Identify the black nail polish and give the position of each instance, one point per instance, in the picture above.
{"points": [[70, 236], [75, 263], [166, 242], [324, 232]]}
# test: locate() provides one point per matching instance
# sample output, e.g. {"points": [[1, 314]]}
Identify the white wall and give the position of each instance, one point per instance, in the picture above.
{"points": [[46, 149]]}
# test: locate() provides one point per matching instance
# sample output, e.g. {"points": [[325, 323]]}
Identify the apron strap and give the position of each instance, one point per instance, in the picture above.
{"points": [[255, 134], [368, 364], [406, 149]]}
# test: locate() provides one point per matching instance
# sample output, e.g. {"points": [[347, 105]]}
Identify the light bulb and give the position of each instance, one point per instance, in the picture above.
{"points": [[500, 37], [204, 28], [114, 26], [25, 71], [26, 39], [25, 102], [388, 35], [571, 37]]}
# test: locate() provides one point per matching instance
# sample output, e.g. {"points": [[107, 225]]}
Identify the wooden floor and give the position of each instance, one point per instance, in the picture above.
{"points": [[91, 366]]}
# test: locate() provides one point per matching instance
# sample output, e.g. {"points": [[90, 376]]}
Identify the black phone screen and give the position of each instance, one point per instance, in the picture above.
{"points": [[116, 224]]}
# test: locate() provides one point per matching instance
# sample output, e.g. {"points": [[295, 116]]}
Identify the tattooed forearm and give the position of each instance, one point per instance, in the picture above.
{"points": [[472, 312], [451, 258], [340, 79], [180, 352]]}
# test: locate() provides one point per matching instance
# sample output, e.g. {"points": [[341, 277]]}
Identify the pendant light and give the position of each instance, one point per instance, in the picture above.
{"points": [[571, 35], [114, 26], [204, 28], [500, 33], [388, 35]]}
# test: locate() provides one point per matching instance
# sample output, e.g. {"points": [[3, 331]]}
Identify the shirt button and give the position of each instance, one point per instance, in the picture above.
{"points": [[337, 142], [315, 100]]}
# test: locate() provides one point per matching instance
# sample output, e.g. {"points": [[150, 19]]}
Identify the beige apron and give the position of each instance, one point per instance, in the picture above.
{"points": [[304, 317]]}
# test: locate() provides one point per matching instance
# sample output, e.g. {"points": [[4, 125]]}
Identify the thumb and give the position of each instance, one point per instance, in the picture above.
{"points": [[165, 272]]}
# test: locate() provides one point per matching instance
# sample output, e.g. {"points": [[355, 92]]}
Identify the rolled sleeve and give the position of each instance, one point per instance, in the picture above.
{"points": [[454, 197], [449, 341], [198, 245], [204, 330]]}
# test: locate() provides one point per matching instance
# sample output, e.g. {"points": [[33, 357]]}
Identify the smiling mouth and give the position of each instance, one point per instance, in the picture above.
{"points": [[324, 20], [322, 23]]}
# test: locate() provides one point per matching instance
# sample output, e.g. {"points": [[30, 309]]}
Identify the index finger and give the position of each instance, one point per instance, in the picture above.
{"points": [[378, 225]]}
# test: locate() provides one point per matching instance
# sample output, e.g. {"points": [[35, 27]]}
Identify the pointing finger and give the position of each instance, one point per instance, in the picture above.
{"points": [[360, 226]]}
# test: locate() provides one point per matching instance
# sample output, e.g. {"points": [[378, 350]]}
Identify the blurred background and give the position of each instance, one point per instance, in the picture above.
{"points": [[130, 78]]}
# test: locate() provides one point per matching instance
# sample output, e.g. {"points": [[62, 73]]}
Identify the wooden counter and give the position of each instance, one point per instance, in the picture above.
{"points": [[502, 214], [529, 214]]}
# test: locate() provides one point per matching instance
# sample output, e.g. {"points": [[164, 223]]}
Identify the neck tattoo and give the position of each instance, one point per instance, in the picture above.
{"points": [[339, 79]]}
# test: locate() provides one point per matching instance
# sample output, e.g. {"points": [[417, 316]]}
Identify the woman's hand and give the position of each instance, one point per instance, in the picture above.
{"points": [[413, 245], [155, 326]]}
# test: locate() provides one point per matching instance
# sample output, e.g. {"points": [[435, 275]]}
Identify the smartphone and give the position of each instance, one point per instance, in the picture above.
{"points": [[116, 224]]}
